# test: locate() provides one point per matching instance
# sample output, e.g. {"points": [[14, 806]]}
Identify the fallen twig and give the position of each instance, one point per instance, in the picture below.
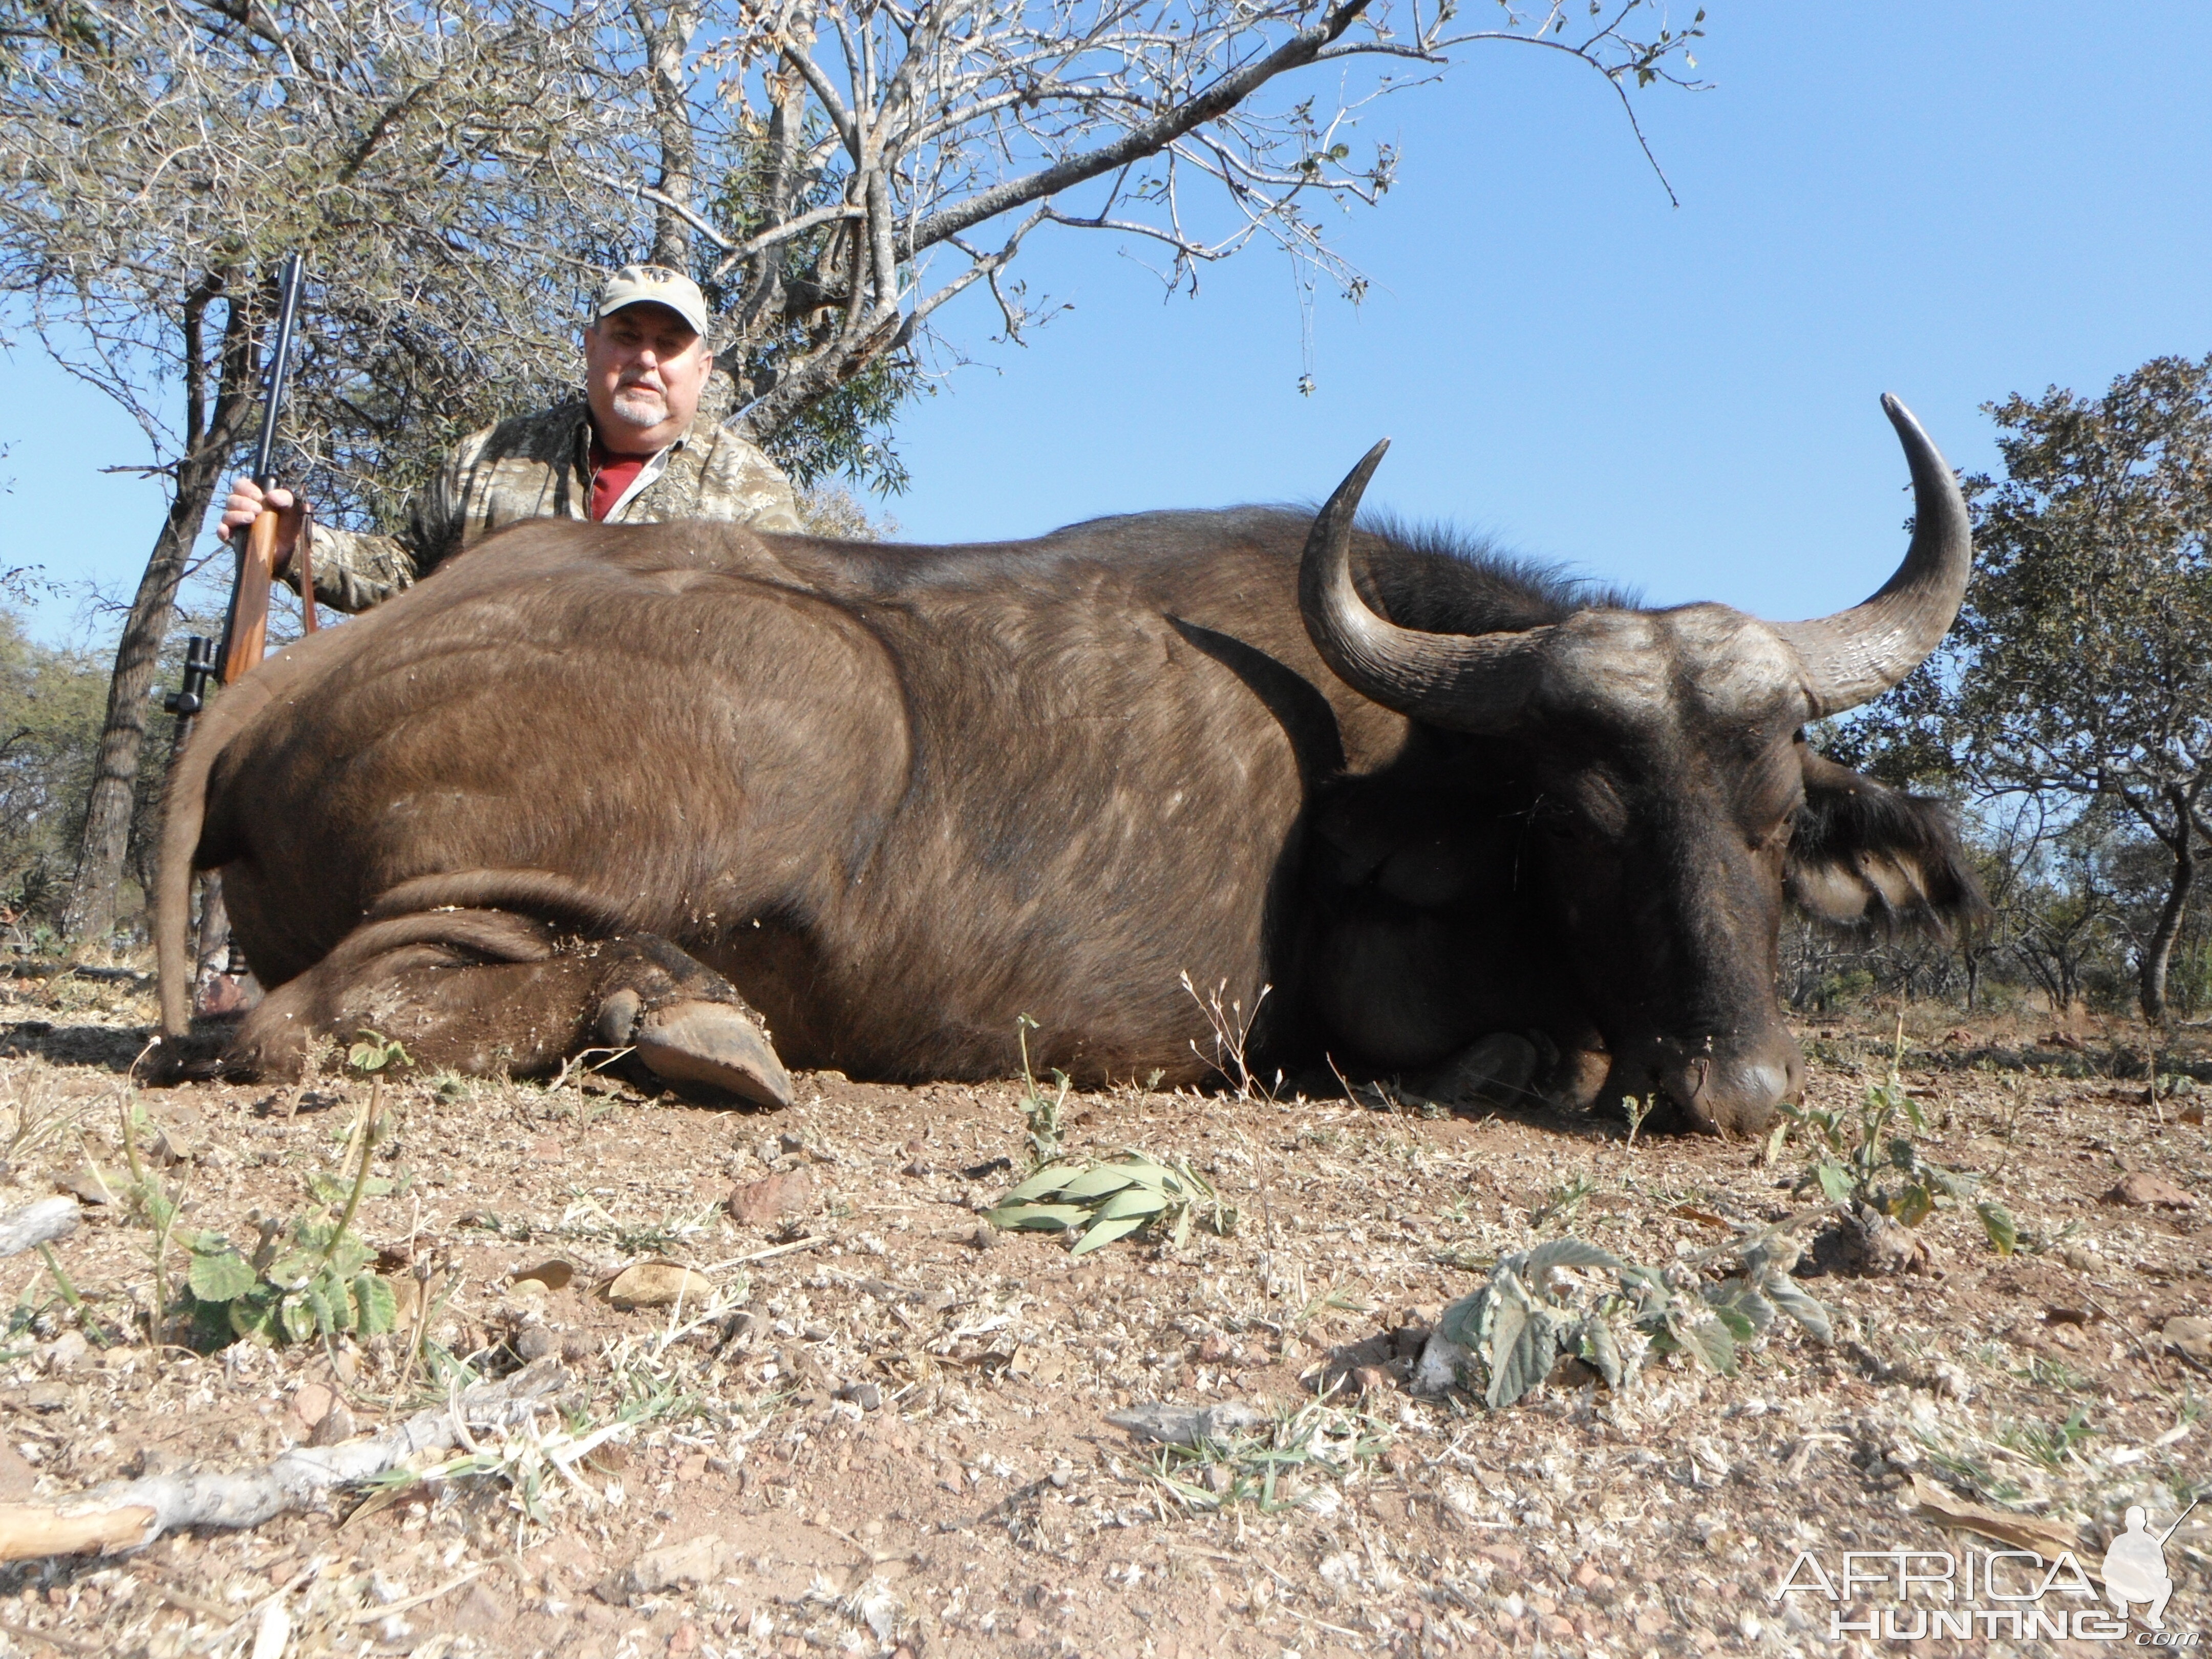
{"points": [[131, 1514], [763, 1256]]}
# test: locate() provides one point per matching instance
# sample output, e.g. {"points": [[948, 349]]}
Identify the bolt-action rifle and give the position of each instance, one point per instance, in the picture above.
{"points": [[246, 622], [245, 628]]}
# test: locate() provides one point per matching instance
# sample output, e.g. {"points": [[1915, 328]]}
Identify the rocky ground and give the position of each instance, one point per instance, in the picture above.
{"points": [[876, 1424]]}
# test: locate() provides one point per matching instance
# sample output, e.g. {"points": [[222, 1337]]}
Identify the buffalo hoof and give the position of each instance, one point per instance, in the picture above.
{"points": [[714, 1044]]}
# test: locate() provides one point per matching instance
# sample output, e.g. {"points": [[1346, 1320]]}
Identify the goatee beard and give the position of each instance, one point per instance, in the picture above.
{"points": [[640, 408]]}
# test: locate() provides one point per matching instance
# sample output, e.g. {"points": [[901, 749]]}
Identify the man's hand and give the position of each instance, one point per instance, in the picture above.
{"points": [[247, 503]]}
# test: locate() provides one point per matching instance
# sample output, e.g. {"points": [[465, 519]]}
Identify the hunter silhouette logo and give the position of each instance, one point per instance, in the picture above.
{"points": [[1906, 1595], [2134, 1567]]}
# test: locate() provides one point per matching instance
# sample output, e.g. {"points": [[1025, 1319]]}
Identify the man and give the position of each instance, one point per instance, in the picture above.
{"points": [[636, 450]]}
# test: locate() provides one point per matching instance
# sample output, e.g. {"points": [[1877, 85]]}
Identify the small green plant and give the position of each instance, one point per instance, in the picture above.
{"points": [[1636, 1108], [1097, 1201], [1515, 1328], [2049, 1447], [1868, 1157], [312, 1277], [1268, 1465], [1043, 1112], [1564, 1200]]}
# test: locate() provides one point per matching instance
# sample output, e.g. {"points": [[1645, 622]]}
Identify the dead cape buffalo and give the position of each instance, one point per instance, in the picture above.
{"points": [[684, 785]]}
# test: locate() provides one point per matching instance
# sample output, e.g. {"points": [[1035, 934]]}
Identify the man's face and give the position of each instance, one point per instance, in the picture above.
{"points": [[643, 371]]}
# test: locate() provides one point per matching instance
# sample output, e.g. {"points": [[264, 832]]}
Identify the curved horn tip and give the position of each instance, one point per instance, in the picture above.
{"points": [[1345, 498], [1899, 416]]}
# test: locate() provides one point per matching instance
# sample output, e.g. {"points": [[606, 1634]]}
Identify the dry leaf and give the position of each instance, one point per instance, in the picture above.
{"points": [[2048, 1539], [658, 1284], [553, 1274]]}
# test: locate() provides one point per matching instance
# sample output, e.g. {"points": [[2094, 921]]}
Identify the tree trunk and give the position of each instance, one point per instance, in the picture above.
{"points": [[2160, 952], [90, 915], [210, 434]]}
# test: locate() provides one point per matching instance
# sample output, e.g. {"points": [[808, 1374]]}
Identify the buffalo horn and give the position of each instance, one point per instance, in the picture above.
{"points": [[1856, 655], [1471, 682]]}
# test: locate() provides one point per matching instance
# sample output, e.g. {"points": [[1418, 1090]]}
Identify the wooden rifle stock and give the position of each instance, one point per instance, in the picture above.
{"points": [[245, 634], [249, 621]]}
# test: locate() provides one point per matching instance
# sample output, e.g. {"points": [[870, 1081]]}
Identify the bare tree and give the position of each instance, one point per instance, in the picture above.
{"points": [[162, 154], [836, 172], [840, 170]]}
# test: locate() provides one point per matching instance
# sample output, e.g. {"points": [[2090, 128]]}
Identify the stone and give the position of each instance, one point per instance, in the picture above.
{"points": [[866, 1395], [312, 1403], [660, 1285], [756, 1203], [2140, 1190], [2186, 1333], [336, 1428], [696, 1561]]}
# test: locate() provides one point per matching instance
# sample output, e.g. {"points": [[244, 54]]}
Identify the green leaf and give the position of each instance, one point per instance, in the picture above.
{"points": [[1047, 1180], [1913, 1205], [1997, 1222], [1096, 1183], [1105, 1232], [1038, 1218], [294, 1268], [295, 1318], [1835, 1181], [1466, 1322], [1524, 1341], [376, 1309], [349, 1255], [1710, 1341], [1738, 1322], [1132, 1202], [335, 1190], [316, 1295], [253, 1317], [220, 1275], [1787, 1294], [1565, 1253], [1600, 1348]]}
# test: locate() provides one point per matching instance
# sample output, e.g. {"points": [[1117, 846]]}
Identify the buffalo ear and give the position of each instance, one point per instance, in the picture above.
{"points": [[1861, 854]]}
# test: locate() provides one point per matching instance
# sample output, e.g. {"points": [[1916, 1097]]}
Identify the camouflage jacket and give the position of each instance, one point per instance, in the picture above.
{"points": [[538, 466]]}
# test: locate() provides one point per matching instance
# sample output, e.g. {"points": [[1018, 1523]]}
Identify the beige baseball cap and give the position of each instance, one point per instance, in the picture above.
{"points": [[652, 285]]}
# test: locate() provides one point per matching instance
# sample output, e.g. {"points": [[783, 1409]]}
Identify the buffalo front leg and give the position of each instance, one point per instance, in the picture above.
{"points": [[481, 992]]}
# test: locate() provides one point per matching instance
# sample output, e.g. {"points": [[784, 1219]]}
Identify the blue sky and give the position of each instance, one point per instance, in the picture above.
{"points": [[1952, 203]]}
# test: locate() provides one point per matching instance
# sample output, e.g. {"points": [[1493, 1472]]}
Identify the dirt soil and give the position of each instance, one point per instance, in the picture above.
{"points": [[884, 1429]]}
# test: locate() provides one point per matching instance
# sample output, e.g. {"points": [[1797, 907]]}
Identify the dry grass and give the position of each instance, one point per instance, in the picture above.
{"points": [[889, 1435]]}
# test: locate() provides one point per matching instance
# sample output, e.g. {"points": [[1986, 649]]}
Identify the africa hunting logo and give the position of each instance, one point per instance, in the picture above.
{"points": [[1912, 1595]]}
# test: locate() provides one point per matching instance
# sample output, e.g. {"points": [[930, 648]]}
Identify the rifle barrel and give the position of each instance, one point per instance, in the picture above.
{"points": [[280, 361]]}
